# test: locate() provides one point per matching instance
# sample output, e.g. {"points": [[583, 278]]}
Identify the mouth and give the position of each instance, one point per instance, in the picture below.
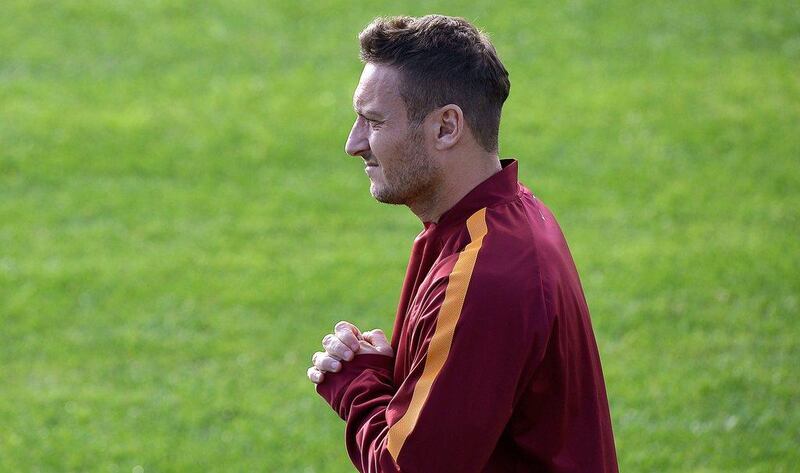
{"points": [[370, 168], [369, 161]]}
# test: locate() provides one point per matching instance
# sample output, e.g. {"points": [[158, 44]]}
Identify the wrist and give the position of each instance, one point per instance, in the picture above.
{"points": [[365, 365]]}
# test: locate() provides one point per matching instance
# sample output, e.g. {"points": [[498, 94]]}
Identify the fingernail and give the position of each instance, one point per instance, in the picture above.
{"points": [[348, 354], [336, 365]]}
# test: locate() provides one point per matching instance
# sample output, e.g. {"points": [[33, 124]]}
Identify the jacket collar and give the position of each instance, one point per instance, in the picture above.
{"points": [[500, 187]]}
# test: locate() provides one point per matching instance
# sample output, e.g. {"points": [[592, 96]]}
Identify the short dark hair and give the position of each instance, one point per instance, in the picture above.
{"points": [[442, 60]]}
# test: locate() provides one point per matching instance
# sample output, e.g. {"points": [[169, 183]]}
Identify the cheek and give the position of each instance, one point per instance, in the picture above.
{"points": [[384, 147], [389, 142]]}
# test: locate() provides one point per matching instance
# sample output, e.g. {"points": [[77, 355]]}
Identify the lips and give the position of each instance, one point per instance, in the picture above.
{"points": [[370, 168], [369, 160]]}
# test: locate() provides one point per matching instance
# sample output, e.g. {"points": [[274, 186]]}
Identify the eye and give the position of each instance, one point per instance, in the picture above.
{"points": [[373, 124]]}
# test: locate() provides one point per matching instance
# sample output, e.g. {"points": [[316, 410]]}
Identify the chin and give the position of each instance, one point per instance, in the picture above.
{"points": [[384, 196]]}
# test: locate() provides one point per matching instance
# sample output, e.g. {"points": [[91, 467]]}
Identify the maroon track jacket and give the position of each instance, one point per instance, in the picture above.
{"points": [[496, 367]]}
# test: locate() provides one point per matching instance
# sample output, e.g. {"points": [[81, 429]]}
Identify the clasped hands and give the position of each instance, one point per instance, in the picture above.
{"points": [[342, 345]]}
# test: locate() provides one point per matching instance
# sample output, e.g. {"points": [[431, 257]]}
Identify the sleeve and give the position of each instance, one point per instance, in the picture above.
{"points": [[469, 351]]}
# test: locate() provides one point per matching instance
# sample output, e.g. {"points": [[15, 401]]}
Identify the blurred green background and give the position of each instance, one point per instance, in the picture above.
{"points": [[179, 224]]}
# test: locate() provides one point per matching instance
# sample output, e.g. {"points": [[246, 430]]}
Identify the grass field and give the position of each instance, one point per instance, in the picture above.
{"points": [[179, 224]]}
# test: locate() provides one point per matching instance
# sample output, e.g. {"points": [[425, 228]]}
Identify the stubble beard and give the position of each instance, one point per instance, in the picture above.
{"points": [[414, 181]]}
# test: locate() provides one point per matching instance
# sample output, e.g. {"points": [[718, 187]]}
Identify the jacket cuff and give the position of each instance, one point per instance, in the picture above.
{"points": [[334, 385]]}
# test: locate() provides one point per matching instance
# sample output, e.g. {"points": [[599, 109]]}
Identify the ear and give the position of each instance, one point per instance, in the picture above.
{"points": [[448, 126]]}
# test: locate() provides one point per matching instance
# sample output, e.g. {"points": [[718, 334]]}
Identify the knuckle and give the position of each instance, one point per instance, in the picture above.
{"points": [[327, 339], [337, 345], [312, 373], [316, 356], [346, 337], [342, 326]]}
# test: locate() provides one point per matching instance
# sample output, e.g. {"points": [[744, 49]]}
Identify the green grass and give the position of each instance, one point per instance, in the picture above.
{"points": [[179, 224]]}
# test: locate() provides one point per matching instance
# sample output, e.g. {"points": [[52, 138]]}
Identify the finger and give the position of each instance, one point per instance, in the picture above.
{"points": [[315, 375], [336, 348], [325, 362], [348, 334], [378, 339]]}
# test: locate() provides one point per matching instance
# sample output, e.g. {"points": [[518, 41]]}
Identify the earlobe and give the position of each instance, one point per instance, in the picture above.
{"points": [[450, 125]]}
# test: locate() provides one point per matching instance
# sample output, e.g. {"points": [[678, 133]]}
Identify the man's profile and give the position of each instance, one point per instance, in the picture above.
{"points": [[493, 364]]}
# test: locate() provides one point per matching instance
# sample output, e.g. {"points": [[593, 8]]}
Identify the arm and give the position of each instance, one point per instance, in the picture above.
{"points": [[451, 408]]}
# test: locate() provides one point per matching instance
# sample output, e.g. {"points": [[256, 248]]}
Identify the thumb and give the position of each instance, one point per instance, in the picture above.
{"points": [[378, 339]]}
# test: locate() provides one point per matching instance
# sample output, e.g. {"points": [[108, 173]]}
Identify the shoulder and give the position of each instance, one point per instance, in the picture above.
{"points": [[521, 252], [498, 267], [501, 250], [524, 238], [508, 255]]}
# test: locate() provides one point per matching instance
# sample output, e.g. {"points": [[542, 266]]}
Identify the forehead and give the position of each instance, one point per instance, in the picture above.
{"points": [[378, 87]]}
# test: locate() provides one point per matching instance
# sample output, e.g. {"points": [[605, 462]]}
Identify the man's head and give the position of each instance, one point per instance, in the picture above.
{"points": [[442, 60], [431, 86]]}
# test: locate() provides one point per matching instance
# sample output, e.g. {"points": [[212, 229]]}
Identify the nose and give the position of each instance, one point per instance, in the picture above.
{"points": [[357, 142]]}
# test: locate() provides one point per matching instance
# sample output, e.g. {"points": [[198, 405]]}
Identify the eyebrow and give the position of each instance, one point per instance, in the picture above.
{"points": [[368, 113], [365, 112]]}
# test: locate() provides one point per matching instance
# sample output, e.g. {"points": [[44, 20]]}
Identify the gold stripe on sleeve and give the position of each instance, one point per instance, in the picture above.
{"points": [[439, 347]]}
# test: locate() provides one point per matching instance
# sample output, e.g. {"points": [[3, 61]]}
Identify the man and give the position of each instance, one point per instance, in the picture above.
{"points": [[493, 364]]}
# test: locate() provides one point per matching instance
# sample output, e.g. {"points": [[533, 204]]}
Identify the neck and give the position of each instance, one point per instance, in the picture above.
{"points": [[455, 183]]}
